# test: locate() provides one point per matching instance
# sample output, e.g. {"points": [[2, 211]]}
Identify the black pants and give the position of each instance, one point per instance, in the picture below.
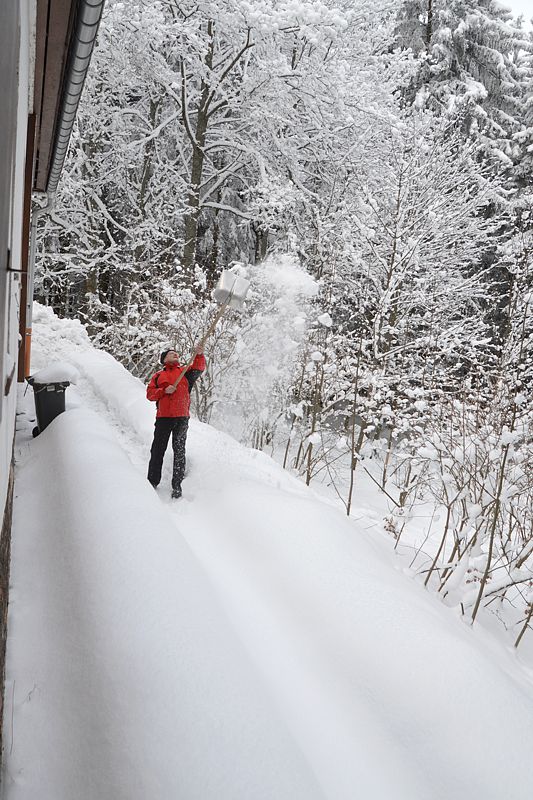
{"points": [[164, 426]]}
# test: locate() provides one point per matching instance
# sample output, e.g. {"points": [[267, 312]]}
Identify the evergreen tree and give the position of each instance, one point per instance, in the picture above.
{"points": [[467, 71]]}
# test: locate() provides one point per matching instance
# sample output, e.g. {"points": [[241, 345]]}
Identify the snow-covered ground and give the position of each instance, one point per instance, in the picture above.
{"points": [[245, 642]]}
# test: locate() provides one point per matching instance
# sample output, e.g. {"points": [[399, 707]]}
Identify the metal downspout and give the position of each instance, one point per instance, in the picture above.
{"points": [[88, 16], [38, 211]]}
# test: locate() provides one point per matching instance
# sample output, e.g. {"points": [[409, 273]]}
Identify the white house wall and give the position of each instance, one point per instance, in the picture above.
{"points": [[11, 229]]}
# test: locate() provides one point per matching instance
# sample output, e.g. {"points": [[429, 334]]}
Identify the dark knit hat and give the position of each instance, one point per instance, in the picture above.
{"points": [[164, 355]]}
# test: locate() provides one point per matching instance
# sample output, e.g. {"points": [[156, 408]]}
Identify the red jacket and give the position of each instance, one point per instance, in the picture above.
{"points": [[175, 404]]}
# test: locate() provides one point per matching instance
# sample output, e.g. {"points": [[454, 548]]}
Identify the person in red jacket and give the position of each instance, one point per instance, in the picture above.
{"points": [[172, 415]]}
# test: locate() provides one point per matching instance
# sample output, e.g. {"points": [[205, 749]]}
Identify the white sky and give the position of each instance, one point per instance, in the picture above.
{"points": [[524, 7]]}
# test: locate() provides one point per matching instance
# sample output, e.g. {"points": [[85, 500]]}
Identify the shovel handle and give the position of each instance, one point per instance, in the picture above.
{"points": [[201, 343], [209, 331]]}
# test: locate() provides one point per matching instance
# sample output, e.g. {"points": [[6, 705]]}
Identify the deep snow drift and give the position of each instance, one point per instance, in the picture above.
{"points": [[245, 642]]}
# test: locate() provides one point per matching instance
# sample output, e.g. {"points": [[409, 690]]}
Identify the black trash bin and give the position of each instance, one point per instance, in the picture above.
{"points": [[49, 402]]}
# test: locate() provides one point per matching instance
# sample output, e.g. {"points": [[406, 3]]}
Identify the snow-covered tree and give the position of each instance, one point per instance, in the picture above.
{"points": [[467, 71]]}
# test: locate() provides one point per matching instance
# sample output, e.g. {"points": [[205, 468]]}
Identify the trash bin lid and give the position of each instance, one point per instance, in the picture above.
{"points": [[51, 386]]}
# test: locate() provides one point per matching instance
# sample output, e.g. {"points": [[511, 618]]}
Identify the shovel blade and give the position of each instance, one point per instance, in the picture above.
{"points": [[231, 290]]}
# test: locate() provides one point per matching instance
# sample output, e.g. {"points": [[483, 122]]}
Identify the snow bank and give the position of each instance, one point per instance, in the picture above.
{"points": [[99, 373], [369, 668], [347, 679], [125, 679]]}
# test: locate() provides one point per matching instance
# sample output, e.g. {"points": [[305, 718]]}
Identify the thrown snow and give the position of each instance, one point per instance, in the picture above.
{"points": [[58, 372], [286, 274], [325, 320], [246, 642], [281, 291]]}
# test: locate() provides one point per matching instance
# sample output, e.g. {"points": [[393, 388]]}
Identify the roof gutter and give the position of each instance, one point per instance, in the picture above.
{"points": [[88, 16]]}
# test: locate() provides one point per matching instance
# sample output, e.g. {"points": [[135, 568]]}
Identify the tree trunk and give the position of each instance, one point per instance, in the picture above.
{"points": [[429, 26], [198, 156], [193, 198], [261, 244]]}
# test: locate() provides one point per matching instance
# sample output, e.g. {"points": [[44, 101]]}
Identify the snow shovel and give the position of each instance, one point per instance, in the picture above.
{"points": [[230, 292]]}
